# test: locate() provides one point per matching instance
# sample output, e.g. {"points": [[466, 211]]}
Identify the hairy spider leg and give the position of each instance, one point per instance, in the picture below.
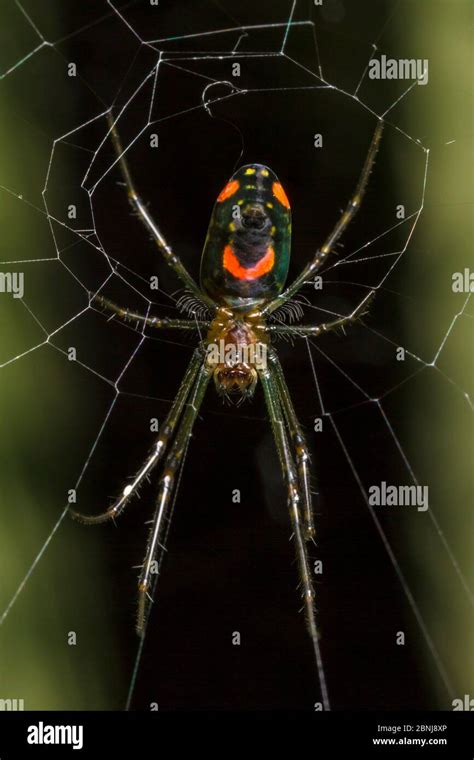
{"points": [[302, 331], [137, 204], [127, 315], [300, 448], [341, 225], [159, 447], [290, 475], [166, 486]]}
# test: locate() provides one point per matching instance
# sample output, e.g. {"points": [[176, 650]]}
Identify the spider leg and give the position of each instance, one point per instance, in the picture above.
{"points": [[140, 208], [166, 486], [159, 447], [299, 445], [351, 209], [301, 331], [274, 406], [127, 315]]}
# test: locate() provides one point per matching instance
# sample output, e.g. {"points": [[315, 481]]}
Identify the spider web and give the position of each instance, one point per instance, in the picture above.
{"points": [[81, 422]]}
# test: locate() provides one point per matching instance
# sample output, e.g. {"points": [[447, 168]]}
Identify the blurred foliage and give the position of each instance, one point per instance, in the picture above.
{"points": [[39, 405], [440, 418]]}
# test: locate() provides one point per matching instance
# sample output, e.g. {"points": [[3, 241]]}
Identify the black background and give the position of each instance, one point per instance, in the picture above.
{"points": [[230, 566]]}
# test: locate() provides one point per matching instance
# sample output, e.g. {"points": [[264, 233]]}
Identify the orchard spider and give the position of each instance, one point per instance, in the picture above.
{"points": [[244, 266]]}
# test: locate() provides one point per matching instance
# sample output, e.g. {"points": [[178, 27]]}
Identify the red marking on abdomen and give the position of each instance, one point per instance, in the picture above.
{"points": [[233, 265], [228, 190], [280, 194]]}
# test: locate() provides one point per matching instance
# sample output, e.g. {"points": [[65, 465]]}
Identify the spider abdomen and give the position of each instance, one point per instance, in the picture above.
{"points": [[247, 250]]}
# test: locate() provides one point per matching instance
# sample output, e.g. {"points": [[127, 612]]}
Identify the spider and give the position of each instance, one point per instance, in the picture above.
{"points": [[244, 267]]}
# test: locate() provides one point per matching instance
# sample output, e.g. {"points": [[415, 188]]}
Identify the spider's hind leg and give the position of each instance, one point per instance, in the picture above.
{"points": [[341, 225], [147, 220]]}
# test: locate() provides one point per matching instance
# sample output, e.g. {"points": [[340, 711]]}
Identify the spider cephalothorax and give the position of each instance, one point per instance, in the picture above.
{"points": [[236, 350], [244, 267]]}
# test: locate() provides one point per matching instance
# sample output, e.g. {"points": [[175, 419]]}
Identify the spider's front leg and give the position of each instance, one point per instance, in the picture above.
{"points": [[158, 449], [164, 503], [274, 405], [299, 445]]}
